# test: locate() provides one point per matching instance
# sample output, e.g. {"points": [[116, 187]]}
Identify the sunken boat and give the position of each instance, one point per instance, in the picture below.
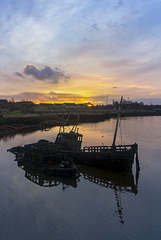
{"points": [[119, 157], [45, 157], [59, 157]]}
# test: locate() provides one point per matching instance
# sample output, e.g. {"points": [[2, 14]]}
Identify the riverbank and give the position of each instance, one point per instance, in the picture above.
{"points": [[12, 124]]}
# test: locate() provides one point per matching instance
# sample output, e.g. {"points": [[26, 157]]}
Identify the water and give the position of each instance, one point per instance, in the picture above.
{"points": [[99, 204]]}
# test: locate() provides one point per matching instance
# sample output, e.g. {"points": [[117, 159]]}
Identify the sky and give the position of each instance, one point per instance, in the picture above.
{"points": [[77, 51]]}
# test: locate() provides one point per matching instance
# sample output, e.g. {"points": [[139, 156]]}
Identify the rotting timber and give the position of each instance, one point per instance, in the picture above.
{"points": [[60, 157], [45, 157], [110, 157]]}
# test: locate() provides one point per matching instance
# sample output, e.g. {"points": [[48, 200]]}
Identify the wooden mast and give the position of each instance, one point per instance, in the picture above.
{"points": [[74, 128], [117, 122]]}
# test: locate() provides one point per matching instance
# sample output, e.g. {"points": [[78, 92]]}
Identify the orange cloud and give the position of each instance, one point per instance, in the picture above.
{"points": [[142, 87]]}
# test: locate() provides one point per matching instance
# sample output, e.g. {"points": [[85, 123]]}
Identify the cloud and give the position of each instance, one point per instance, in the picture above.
{"points": [[19, 74], [141, 87], [54, 97], [148, 101], [119, 4], [50, 97], [46, 74], [115, 26], [94, 27]]}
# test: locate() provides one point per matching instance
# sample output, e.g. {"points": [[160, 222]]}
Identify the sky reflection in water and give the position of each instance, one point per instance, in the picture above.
{"points": [[96, 205]]}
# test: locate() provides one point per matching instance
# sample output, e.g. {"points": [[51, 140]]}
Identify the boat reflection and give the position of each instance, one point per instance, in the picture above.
{"points": [[45, 180], [122, 180], [119, 181]]}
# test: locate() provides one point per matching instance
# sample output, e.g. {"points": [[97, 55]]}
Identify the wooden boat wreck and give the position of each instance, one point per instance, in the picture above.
{"points": [[60, 157], [45, 157], [110, 157]]}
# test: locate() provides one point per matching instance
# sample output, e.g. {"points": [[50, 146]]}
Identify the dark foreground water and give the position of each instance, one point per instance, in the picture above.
{"points": [[99, 204]]}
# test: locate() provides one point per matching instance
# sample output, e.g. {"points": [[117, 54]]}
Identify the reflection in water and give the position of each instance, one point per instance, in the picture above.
{"points": [[91, 210], [44, 180], [122, 180], [23, 133], [119, 181]]}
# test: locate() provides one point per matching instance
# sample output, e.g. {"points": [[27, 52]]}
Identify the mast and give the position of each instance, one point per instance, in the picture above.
{"points": [[63, 123], [117, 122], [74, 128]]}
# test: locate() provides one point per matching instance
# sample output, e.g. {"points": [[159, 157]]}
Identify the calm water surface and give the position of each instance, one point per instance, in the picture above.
{"points": [[99, 204]]}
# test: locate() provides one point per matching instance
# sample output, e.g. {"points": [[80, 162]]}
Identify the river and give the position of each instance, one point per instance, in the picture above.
{"points": [[98, 205]]}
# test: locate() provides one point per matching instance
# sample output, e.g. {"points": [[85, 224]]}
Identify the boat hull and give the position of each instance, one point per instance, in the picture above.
{"points": [[44, 157], [109, 159]]}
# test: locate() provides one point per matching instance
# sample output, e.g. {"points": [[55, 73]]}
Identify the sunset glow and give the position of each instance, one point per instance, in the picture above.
{"points": [[76, 51]]}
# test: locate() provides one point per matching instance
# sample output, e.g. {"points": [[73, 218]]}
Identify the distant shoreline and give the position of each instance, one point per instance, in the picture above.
{"points": [[14, 125]]}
